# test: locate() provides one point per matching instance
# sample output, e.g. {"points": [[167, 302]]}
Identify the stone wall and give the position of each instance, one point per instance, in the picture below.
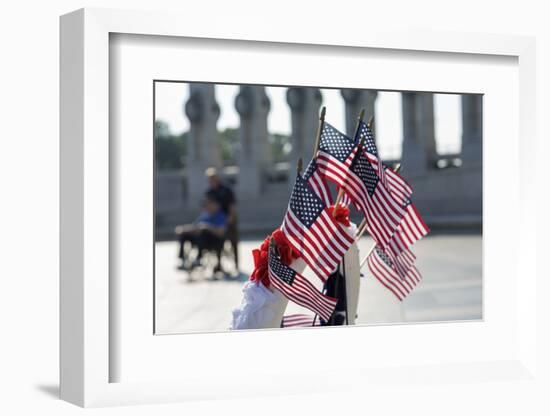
{"points": [[446, 197]]}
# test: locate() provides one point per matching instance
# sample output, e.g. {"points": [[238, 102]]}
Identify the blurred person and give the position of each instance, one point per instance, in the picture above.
{"points": [[207, 232], [226, 198]]}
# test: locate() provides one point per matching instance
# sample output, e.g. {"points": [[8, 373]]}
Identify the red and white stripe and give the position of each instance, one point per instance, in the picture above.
{"points": [[300, 320], [345, 200], [379, 167], [412, 227], [388, 276], [402, 261], [303, 293], [399, 188], [322, 246], [319, 185]]}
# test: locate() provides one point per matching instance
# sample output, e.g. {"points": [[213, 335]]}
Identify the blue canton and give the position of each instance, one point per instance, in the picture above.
{"points": [[369, 144], [305, 205], [334, 143], [363, 169], [310, 169], [283, 272], [383, 256]]}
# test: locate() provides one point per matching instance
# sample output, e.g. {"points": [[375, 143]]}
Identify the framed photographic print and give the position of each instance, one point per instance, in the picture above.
{"points": [[279, 207], [245, 168]]}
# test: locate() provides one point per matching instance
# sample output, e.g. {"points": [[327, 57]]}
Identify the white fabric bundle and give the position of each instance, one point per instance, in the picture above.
{"points": [[260, 308]]}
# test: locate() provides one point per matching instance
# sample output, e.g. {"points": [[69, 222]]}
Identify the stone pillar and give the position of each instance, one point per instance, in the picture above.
{"points": [[419, 152], [203, 148], [426, 126], [356, 100], [305, 104], [472, 146], [254, 159]]}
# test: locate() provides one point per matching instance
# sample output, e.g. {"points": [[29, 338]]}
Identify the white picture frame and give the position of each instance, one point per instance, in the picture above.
{"points": [[86, 264]]}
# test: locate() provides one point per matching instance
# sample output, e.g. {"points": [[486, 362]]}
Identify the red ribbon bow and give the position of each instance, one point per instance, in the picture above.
{"points": [[340, 214], [286, 252]]}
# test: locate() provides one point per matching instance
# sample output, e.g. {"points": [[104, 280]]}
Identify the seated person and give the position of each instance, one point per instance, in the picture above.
{"points": [[207, 232], [226, 198]]}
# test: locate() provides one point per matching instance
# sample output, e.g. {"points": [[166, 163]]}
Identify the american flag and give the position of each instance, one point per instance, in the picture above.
{"points": [[399, 189], [297, 288], [412, 227], [313, 232], [394, 182], [300, 320], [383, 212], [403, 260], [398, 186], [383, 269], [341, 162], [318, 183], [335, 155]]}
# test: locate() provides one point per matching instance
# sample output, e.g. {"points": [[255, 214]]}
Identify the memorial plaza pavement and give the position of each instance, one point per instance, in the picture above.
{"points": [[451, 289]]}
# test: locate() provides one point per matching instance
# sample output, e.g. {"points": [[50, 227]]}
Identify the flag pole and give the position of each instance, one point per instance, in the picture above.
{"points": [[361, 230], [359, 120], [362, 224], [397, 169], [319, 131], [342, 264], [370, 123]]}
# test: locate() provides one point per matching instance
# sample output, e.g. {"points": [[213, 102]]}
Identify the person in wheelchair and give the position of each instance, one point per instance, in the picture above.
{"points": [[206, 233], [226, 198]]}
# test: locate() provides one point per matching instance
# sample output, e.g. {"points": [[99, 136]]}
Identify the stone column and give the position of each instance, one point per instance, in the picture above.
{"points": [[356, 100], [203, 148], [254, 159], [305, 104], [472, 146], [426, 126], [419, 151]]}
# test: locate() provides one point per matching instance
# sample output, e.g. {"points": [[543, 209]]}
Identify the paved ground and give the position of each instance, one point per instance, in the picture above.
{"points": [[451, 288]]}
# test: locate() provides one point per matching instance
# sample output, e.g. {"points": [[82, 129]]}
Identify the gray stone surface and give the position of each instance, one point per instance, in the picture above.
{"points": [[305, 106], [451, 288], [355, 101], [203, 147], [252, 104]]}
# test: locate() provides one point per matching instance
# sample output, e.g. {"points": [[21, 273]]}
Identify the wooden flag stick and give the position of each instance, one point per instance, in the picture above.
{"points": [[397, 169], [361, 229], [299, 166], [359, 120], [361, 225], [272, 243], [319, 131], [371, 120], [339, 197]]}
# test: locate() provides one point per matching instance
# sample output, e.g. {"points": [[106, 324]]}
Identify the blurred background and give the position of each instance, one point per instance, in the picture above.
{"points": [[253, 136]]}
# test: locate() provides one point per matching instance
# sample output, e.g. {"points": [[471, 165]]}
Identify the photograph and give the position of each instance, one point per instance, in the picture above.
{"points": [[292, 206]]}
